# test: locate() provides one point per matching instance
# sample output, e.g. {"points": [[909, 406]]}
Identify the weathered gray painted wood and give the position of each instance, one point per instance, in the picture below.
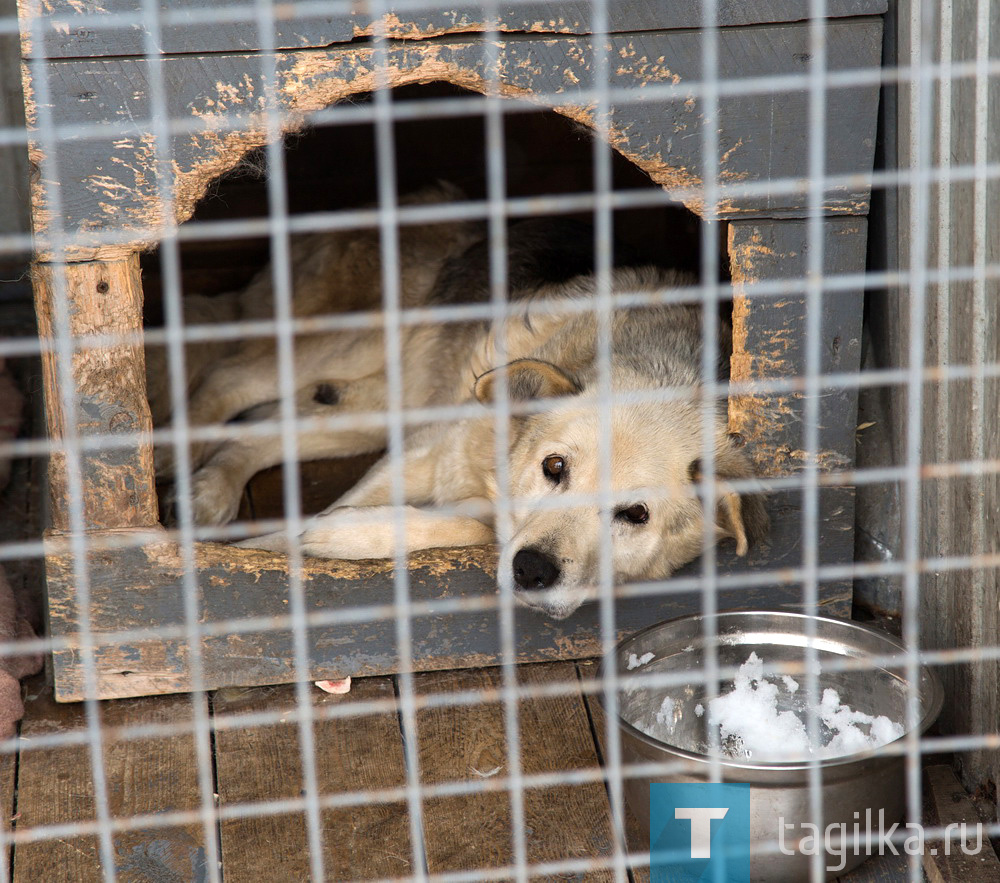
{"points": [[769, 331], [769, 343], [957, 515], [109, 183], [235, 582], [13, 158], [75, 31]]}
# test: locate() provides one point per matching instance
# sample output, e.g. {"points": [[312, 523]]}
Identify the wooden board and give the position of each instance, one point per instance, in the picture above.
{"points": [[144, 776], [467, 743], [320, 482], [242, 582], [949, 804], [109, 182], [957, 515], [636, 838], [769, 339], [54, 787], [769, 343], [259, 763], [79, 30], [109, 389], [13, 157]]}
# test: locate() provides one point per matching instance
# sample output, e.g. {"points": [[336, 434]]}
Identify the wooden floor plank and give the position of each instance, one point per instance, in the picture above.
{"points": [[466, 832], [155, 776], [55, 786], [636, 839], [948, 803], [352, 754]]}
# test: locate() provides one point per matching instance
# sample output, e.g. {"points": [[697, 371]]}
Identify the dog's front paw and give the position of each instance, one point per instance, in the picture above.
{"points": [[215, 496], [347, 532]]}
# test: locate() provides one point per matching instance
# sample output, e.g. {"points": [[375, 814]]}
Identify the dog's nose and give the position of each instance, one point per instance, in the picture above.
{"points": [[534, 569]]}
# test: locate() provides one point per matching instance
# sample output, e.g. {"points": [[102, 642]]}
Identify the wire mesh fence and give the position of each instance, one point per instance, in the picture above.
{"points": [[448, 350]]}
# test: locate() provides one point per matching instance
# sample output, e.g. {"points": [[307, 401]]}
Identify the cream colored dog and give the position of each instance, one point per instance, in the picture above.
{"points": [[553, 480]]}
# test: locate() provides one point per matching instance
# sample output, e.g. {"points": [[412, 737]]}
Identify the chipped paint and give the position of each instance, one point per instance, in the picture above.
{"points": [[310, 81], [767, 344]]}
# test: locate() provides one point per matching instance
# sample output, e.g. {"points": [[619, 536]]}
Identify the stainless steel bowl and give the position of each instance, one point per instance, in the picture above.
{"points": [[872, 780]]}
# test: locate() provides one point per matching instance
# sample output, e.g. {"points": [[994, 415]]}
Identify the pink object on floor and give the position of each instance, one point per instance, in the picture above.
{"points": [[339, 687]]}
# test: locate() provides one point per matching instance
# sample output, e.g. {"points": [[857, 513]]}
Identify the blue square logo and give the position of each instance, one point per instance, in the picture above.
{"points": [[699, 833]]}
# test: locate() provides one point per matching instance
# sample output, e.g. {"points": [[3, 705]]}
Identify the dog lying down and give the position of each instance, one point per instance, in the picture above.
{"points": [[553, 470]]}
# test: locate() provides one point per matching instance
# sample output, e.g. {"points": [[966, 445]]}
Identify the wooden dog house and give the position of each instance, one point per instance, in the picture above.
{"points": [[103, 196]]}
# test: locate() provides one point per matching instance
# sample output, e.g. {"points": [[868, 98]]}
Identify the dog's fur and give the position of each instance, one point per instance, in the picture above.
{"points": [[652, 429]]}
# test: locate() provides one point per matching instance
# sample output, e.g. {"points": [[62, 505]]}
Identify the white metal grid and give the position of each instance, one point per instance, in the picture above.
{"points": [[924, 70]]}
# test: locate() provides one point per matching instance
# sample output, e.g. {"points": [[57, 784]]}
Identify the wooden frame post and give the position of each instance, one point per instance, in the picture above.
{"points": [[103, 299]]}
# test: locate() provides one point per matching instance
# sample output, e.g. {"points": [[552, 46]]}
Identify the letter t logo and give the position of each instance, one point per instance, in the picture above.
{"points": [[701, 826]]}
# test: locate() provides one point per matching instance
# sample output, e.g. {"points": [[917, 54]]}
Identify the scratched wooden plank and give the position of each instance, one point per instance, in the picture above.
{"points": [[353, 754], [74, 31], [118, 488], [958, 515], [13, 157], [467, 743], [146, 776], [108, 183], [243, 582], [769, 343], [54, 788]]}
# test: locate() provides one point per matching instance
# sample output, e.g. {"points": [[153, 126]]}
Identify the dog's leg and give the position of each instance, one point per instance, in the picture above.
{"points": [[247, 380], [370, 532], [218, 485], [362, 523]]}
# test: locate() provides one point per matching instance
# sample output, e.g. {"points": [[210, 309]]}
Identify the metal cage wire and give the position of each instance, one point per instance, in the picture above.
{"points": [[922, 82]]}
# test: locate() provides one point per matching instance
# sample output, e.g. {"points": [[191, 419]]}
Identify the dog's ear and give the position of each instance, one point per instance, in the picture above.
{"points": [[740, 516], [526, 379]]}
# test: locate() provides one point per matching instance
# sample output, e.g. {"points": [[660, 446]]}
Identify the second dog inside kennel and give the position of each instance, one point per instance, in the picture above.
{"points": [[331, 166]]}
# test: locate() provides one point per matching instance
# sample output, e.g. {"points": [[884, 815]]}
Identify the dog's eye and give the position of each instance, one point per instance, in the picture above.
{"points": [[637, 514], [553, 468]]}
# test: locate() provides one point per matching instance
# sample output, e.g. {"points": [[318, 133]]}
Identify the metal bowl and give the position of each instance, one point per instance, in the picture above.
{"points": [[854, 783]]}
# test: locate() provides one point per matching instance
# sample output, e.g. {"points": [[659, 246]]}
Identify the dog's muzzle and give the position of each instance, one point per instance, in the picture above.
{"points": [[534, 570]]}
